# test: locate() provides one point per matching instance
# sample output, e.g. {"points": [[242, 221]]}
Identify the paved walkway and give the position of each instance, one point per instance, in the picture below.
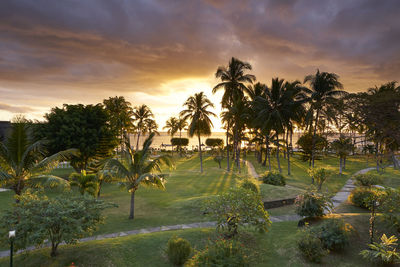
{"points": [[339, 198]]}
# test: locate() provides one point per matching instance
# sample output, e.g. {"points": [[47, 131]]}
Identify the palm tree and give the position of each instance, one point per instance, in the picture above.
{"points": [[172, 126], [324, 88], [137, 168], [342, 146], [200, 122], [23, 162], [181, 125], [142, 114], [233, 81], [86, 183]]}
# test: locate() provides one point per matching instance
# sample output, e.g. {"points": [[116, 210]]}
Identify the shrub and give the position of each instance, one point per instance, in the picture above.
{"points": [[179, 141], [312, 204], [311, 247], [274, 178], [237, 207], [360, 196], [390, 208], [224, 253], [384, 251], [334, 234], [213, 142], [178, 250], [367, 179], [65, 218], [319, 175], [250, 185]]}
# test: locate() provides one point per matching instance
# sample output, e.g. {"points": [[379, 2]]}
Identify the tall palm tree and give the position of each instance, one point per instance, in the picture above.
{"points": [[137, 168], [24, 163], [142, 115], [234, 80], [200, 122], [181, 125], [324, 87], [172, 126]]}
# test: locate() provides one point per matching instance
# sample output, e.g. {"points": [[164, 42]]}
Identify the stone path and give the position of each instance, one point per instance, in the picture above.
{"points": [[339, 198]]}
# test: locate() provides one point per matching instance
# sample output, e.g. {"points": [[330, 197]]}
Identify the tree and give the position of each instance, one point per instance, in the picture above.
{"points": [[142, 115], [234, 81], [86, 128], [137, 168], [172, 126], [342, 146], [306, 144], [120, 114], [64, 218], [24, 163], [324, 87], [200, 122]]}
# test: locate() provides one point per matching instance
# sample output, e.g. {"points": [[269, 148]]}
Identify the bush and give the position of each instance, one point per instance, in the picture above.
{"points": [[311, 247], [224, 253], [250, 185], [237, 207], [390, 208], [312, 204], [334, 234], [178, 250], [368, 179], [213, 142], [319, 175], [385, 251], [179, 141], [361, 196], [274, 178]]}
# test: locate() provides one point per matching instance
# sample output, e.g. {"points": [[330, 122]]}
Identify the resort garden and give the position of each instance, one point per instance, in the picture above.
{"points": [[254, 199]]}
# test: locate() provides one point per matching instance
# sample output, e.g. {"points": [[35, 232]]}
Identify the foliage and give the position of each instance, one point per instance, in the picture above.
{"points": [[250, 185], [81, 127], [86, 183], [390, 208], [65, 218], [361, 196], [221, 253], [368, 179], [238, 207], [319, 175], [137, 168], [179, 141], [178, 250], [311, 247], [274, 178], [218, 159], [312, 204], [24, 162], [305, 144], [334, 234], [385, 251], [214, 142]]}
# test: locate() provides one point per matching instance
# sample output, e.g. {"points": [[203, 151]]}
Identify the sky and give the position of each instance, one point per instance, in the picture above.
{"points": [[159, 52]]}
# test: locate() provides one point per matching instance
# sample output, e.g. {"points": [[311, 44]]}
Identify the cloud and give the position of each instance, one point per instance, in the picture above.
{"points": [[15, 109]]}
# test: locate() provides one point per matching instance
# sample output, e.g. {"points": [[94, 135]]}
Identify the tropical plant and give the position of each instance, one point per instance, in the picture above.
{"points": [[143, 116], [319, 175], [137, 168], [86, 183], [385, 251], [234, 81], [324, 87], [343, 147], [305, 143], [390, 208], [312, 204], [24, 163], [172, 126], [64, 218], [200, 123], [311, 247], [334, 234], [237, 207]]}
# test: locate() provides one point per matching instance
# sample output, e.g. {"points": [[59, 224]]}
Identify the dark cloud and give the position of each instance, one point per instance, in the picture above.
{"points": [[57, 48]]}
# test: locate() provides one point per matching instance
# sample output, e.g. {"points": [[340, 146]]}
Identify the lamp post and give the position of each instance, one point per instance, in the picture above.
{"points": [[11, 236]]}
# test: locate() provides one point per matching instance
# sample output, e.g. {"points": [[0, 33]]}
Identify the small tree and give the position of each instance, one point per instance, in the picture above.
{"points": [[306, 144], [342, 146], [65, 218], [238, 207], [384, 251], [319, 176], [86, 183], [218, 159]]}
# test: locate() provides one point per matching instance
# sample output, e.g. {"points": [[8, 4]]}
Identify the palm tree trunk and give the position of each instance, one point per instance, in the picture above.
{"points": [[228, 168], [268, 155], [314, 139], [132, 209], [287, 152], [277, 153], [137, 141], [284, 141], [201, 157], [340, 165], [344, 162], [291, 141], [376, 155]]}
